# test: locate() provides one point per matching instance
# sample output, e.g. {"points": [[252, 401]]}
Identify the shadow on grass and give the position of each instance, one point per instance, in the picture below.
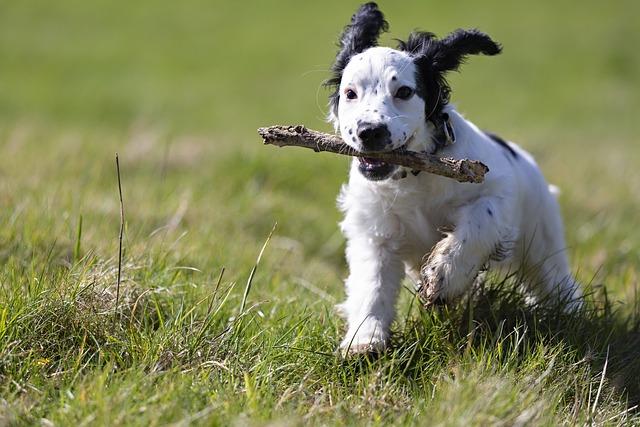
{"points": [[498, 320]]}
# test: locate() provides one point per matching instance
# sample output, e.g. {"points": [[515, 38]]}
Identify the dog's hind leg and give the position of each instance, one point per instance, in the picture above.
{"points": [[546, 267]]}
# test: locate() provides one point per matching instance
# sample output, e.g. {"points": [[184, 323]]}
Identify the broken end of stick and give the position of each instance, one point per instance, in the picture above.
{"points": [[474, 171], [275, 134]]}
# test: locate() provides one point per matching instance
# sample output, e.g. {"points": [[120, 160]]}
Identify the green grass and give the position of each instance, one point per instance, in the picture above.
{"points": [[177, 89]]}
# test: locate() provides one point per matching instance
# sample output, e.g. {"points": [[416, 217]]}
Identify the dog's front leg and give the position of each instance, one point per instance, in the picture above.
{"points": [[375, 273], [482, 231]]}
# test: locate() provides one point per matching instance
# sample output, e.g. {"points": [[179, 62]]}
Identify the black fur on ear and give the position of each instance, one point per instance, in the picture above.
{"points": [[434, 58], [454, 48], [362, 33]]}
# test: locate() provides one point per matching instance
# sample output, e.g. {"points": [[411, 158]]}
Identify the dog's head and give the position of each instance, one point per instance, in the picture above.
{"points": [[384, 98]]}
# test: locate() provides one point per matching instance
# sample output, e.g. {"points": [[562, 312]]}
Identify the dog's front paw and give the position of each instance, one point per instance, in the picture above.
{"points": [[445, 275], [363, 343], [369, 350], [434, 277]]}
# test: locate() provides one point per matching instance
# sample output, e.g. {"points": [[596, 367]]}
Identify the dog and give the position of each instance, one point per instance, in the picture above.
{"points": [[383, 99]]}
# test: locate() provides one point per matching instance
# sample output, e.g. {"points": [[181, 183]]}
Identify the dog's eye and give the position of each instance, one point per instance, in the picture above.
{"points": [[405, 92], [350, 94]]}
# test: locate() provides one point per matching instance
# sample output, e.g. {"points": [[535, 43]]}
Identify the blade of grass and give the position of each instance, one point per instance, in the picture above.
{"points": [[115, 308], [76, 251], [254, 269]]}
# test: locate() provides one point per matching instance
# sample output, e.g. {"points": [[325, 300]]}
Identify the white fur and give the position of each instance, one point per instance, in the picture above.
{"points": [[391, 224]]}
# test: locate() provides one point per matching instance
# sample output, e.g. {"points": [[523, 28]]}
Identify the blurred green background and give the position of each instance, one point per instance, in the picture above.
{"points": [[224, 67]]}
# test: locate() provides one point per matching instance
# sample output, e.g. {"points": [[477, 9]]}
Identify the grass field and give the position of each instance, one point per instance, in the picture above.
{"points": [[178, 89]]}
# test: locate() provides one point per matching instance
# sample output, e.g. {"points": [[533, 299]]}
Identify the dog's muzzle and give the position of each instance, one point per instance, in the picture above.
{"points": [[374, 137]]}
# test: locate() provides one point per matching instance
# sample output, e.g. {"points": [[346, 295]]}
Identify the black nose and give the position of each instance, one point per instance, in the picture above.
{"points": [[374, 136]]}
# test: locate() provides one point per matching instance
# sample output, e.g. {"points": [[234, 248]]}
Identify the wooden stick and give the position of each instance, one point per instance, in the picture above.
{"points": [[462, 170]]}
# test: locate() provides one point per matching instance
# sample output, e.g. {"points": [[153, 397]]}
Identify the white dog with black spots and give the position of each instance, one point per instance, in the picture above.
{"points": [[386, 99]]}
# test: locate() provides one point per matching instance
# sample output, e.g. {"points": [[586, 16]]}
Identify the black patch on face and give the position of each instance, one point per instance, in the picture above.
{"points": [[435, 57], [501, 142], [489, 212]]}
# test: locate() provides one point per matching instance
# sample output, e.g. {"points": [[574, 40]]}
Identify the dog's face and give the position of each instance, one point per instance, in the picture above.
{"points": [[378, 108], [384, 98]]}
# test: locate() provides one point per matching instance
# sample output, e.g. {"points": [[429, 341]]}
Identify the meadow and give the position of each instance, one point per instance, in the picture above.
{"points": [[205, 331]]}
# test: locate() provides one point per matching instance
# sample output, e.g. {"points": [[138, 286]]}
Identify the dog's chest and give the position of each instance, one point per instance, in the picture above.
{"points": [[412, 217], [421, 222]]}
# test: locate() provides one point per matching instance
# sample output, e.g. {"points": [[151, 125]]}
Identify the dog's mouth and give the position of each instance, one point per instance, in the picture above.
{"points": [[375, 169]]}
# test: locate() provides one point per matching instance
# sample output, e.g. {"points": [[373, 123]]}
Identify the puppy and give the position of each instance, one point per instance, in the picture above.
{"points": [[384, 99]]}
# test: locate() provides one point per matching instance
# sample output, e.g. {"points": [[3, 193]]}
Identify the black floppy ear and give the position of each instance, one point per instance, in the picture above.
{"points": [[452, 51], [434, 58], [362, 33]]}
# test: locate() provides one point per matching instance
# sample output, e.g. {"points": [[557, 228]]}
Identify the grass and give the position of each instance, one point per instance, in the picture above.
{"points": [[177, 89]]}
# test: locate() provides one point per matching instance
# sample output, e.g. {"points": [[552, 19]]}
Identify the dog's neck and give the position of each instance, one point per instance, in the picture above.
{"points": [[442, 133]]}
